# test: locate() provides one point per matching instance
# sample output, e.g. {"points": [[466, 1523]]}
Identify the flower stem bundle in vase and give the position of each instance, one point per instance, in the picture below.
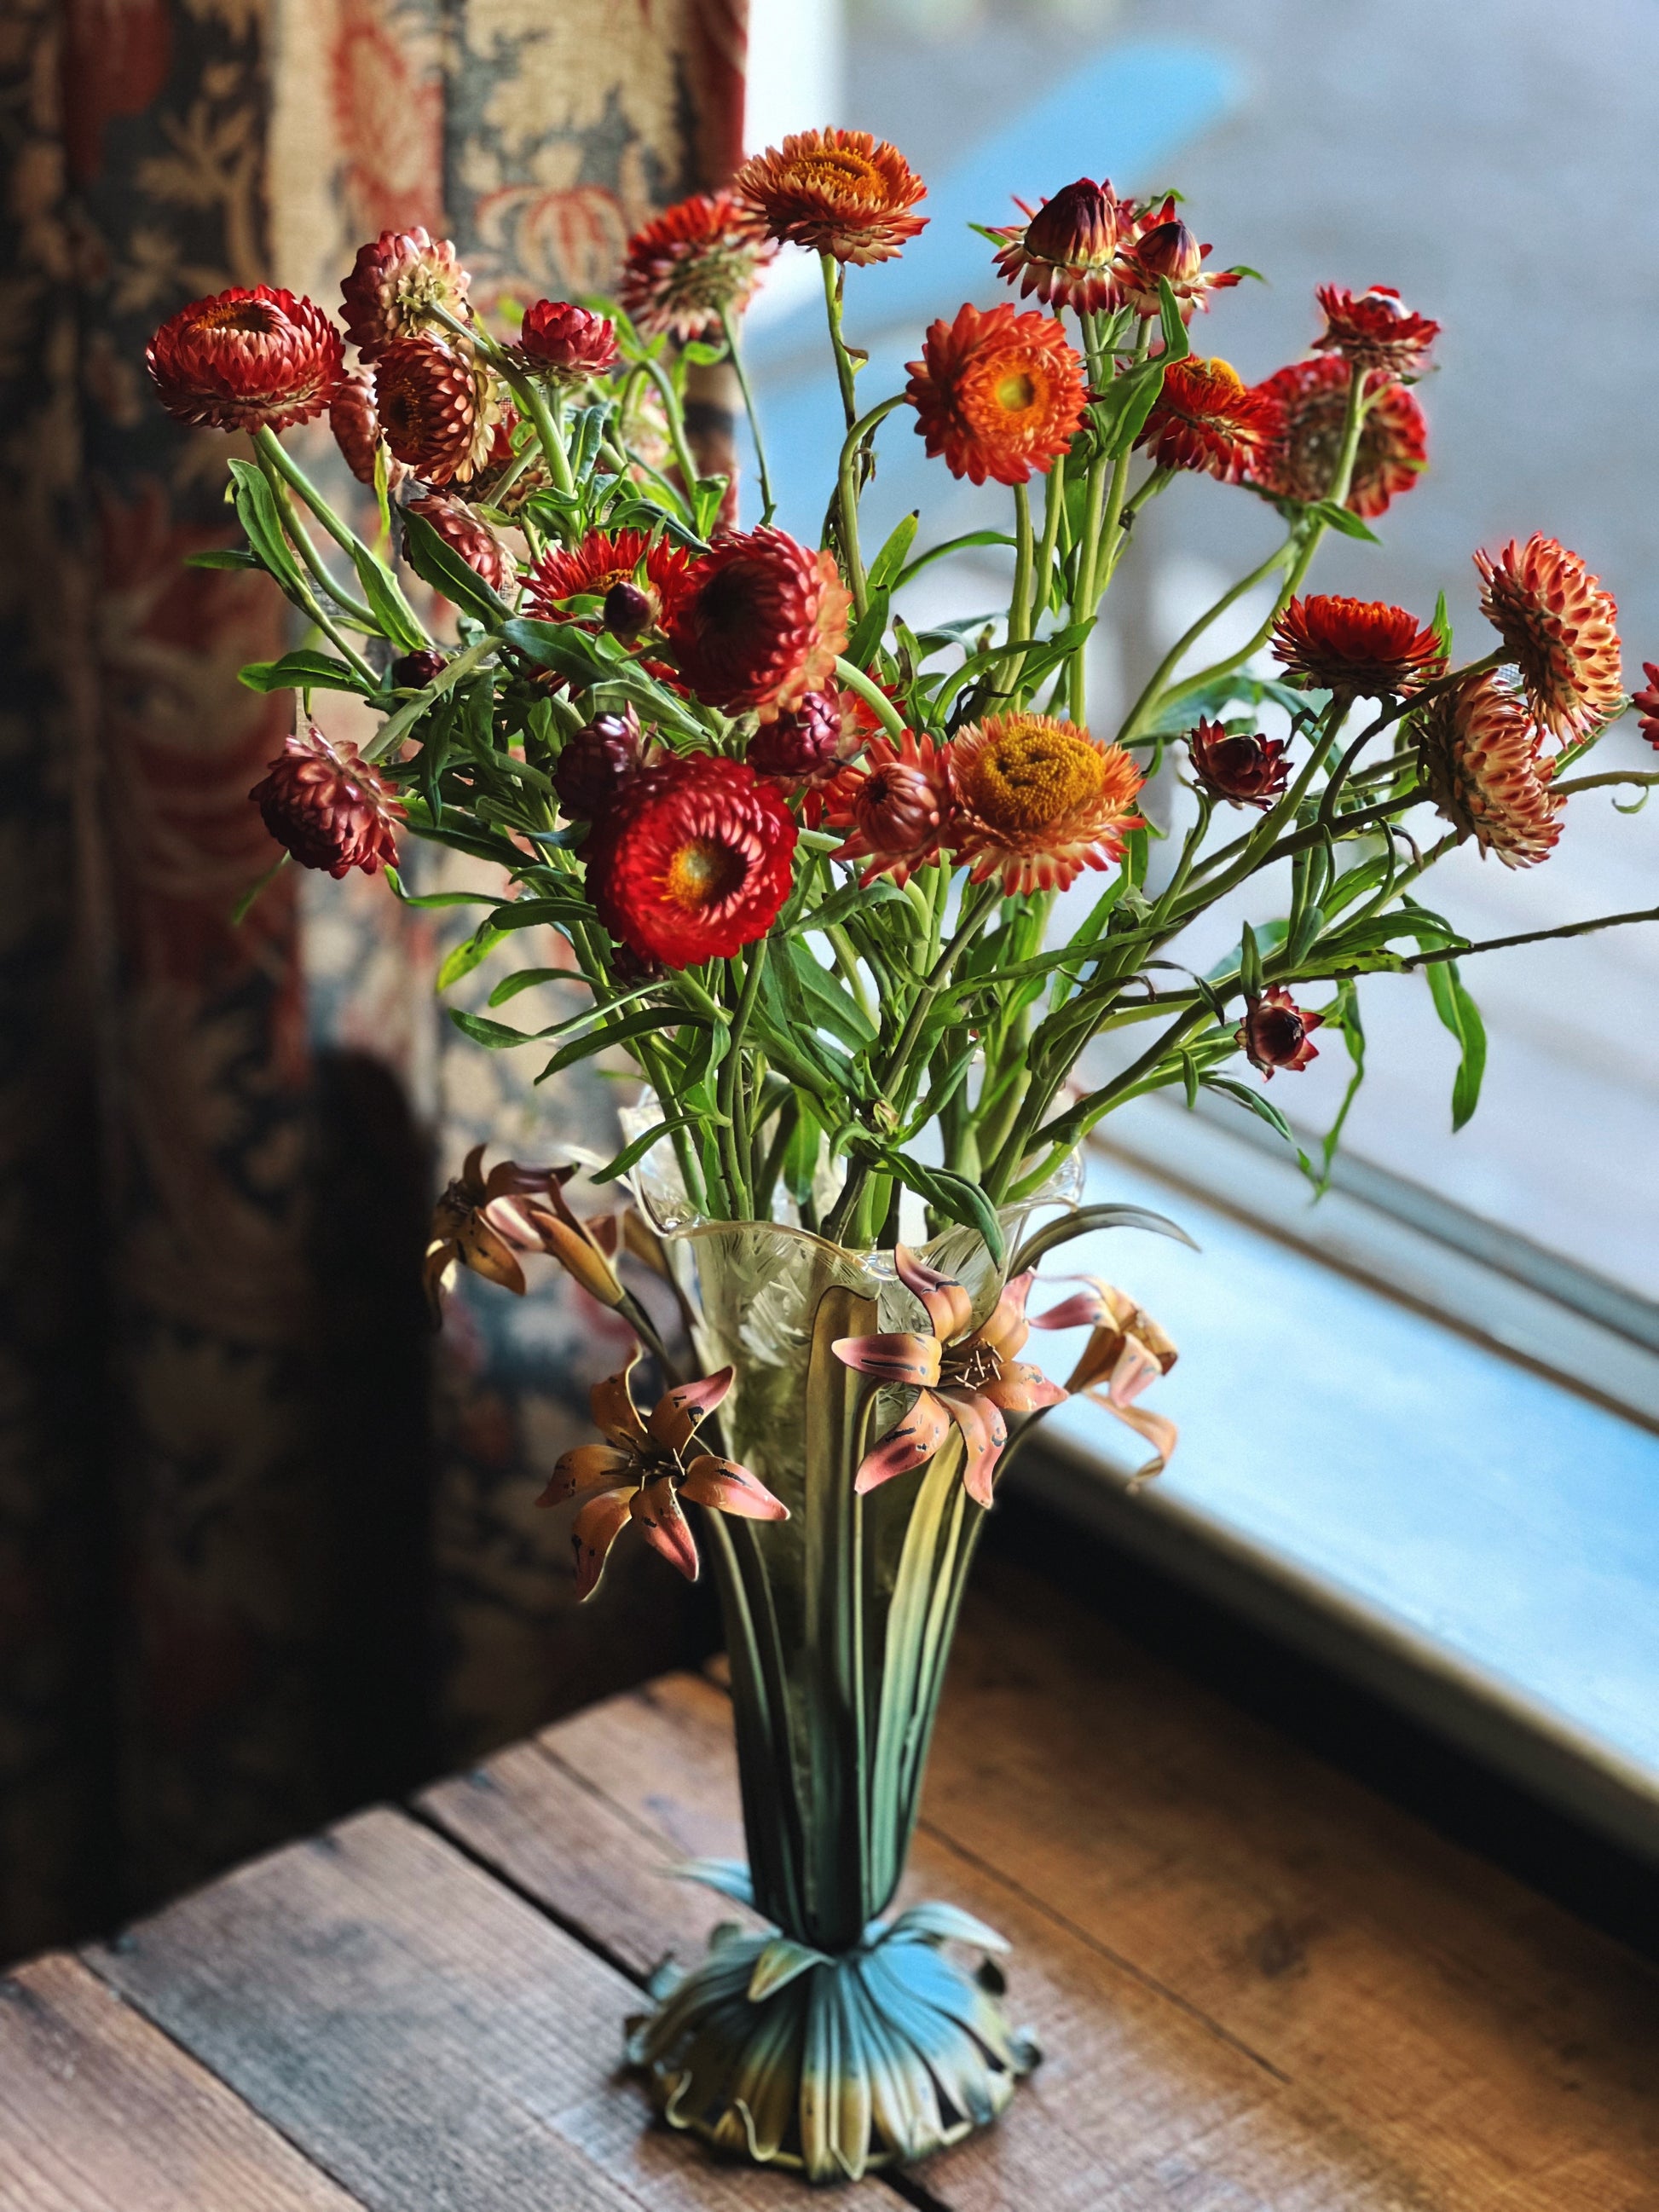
{"points": [[811, 867]]}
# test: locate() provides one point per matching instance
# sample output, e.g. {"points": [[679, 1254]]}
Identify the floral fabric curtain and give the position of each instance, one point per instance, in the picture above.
{"points": [[266, 1549]]}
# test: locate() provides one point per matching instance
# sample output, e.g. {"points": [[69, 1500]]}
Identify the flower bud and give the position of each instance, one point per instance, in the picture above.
{"points": [[570, 342], [413, 671], [800, 742], [1077, 229], [627, 609], [328, 806], [597, 761], [1275, 1031], [1170, 249], [1239, 765]]}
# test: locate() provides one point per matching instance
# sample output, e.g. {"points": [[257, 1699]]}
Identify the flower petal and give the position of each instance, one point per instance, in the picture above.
{"points": [[576, 1252], [592, 1533], [729, 1488], [489, 1253], [1159, 1432], [949, 1309], [897, 1359], [615, 1414], [984, 1432], [1021, 1388], [1007, 1328], [438, 1274], [666, 1529], [907, 1444], [587, 1467], [1092, 1307], [677, 1412]]}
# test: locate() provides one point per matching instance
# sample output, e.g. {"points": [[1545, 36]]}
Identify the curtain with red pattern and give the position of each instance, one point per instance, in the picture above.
{"points": [[266, 1548]]}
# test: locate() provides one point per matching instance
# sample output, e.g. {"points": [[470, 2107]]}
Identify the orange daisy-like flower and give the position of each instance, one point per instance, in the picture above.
{"points": [[1312, 397], [840, 193], [467, 534], [1038, 800], [1064, 252], [1275, 1031], [695, 262], [1561, 628], [395, 282], [760, 623], [1163, 247], [438, 409], [602, 560], [330, 808], [1371, 330], [1362, 646], [999, 394], [1205, 417], [247, 361], [694, 859], [484, 1221], [1482, 757], [894, 806], [971, 1379], [643, 1470]]}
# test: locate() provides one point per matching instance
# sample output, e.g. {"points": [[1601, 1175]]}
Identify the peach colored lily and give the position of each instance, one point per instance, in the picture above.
{"points": [[644, 1468], [482, 1222], [1127, 1351], [974, 1379]]}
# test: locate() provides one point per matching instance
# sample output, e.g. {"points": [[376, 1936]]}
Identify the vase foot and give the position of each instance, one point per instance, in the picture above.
{"points": [[833, 2065]]}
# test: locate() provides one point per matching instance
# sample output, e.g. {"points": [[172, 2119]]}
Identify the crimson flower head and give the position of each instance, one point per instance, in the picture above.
{"points": [[1371, 330], [694, 263], [568, 343], [438, 409], [1275, 1031], [896, 807], [1205, 418], [1065, 254], [395, 282], [759, 623], [329, 806], [1312, 397], [999, 394], [1561, 628], [603, 560], [596, 762], [1482, 757], [840, 193], [1363, 647], [356, 427], [693, 860], [1241, 766], [1646, 703], [1162, 246], [1038, 800], [469, 535], [247, 361]]}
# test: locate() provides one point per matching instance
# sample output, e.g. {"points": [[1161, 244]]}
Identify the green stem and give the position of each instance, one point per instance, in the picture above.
{"points": [[1053, 502], [671, 400], [874, 698], [847, 496], [832, 295], [734, 1102], [1183, 645], [728, 324], [1019, 604]]}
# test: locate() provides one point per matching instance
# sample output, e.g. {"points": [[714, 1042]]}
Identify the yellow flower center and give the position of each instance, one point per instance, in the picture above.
{"points": [[703, 872], [835, 172], [253, 316], [1032, 774], [1016, 391]]}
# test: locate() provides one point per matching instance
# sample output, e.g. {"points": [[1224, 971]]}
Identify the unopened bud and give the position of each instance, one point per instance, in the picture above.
{"points": [[627, 609]]}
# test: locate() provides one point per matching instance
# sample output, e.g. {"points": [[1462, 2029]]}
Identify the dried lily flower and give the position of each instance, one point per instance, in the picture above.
{"points": [[1127, 1351], [484, 1222]]}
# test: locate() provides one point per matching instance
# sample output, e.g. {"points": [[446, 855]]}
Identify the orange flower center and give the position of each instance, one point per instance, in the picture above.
{"points": [[1032, 775], [703, 872], [833, 173], [253, 316]]}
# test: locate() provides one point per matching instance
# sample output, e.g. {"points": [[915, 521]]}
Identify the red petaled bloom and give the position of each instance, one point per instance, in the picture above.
{"points": [[1561, 628], [1065, 254], [595, 763], [469, 535], [1039, 801], [1241, 766], [395, 282], [568, 343], [1363, 647], [329, 807], [760, 623], [1646, 703], [438, 409], [1162, 246], [1371, 330], [1312, 397], [356, 427], [840, 193], [694, 859], [247, 361], [602, 560], [998, 392], [694, 263], [1482, 757], [1205, 417], [1275, 1031], [896, 807]]}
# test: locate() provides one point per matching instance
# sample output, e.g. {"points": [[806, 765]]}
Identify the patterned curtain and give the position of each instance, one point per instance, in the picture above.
{"points": [[266, 1548]]}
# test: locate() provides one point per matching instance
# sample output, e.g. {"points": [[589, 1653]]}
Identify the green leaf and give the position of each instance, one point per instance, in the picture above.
{"points": [[632, 1154], [1341, 519], [1256, 1102], [854, 899], [386, 603], [951, 1195], [1460, 1014], [438, 898], [654, 1019], [829, 1005], [1346, 1017], [256, 510], [1250, 962], [469, 954], [886, 568], [302, 672], [800, 1154], [867, 636], [221, 556], [1442, 626], [1086, 1221], [437, 564], [1177, 343], [499, 1036]]}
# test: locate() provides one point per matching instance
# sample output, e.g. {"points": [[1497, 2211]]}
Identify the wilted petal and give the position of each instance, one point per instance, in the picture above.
{"points": [[729, 1488], [949, 1306], [592, 1533], [677, 1412], [587, 1467], [472, 1175], [1096, 1307], [489, 1253], [907, 1444], [1021, 1388], [1160, 1433], [576, 1252], [984, 1432], [1007, 1327], [615, 1414], [899, 1359], [666, 1529]]}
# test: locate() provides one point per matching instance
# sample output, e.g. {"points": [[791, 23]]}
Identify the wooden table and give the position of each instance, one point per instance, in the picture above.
{"points": [[1261, 1990]]}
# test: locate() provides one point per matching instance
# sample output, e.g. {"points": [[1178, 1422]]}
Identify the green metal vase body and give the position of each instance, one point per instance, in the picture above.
{"points": [[842, 2041]]}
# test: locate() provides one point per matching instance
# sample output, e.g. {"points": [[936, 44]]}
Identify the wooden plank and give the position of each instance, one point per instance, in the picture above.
{"points": [[99, 2112], [1257, 1984], [419, 2031]]}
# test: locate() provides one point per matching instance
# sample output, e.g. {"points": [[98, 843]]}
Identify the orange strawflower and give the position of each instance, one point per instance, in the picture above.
{"points": [[1561, 628], [894, 806], [840, 193], [694, 262], [999, 394], [759, 623], [1205, 417], [1363, 647], [1371, 330], [1038, 800], [1313, 401], [1482, 757], [604, 559], [245, 361]]}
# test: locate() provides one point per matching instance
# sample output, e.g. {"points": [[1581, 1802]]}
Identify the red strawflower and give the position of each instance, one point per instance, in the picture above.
{"points": [[1312, 397], [1363, 647], [469, 535], [438, 409], [597, 761], [1481, 755], [1039, 801], [1646, 703], [839, 192], [328, 806], [602, 561], [356, 427], [1241, 766], [1166, 249], [694, 262], [999, 394], [247, 361], [1205, 417], [1561, 628], [895, 805], [413, 671], [1371, 330], [759, 623], [1274, 1032], [395, 282], [693, 860], [1065, 254], [565, 342]]}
